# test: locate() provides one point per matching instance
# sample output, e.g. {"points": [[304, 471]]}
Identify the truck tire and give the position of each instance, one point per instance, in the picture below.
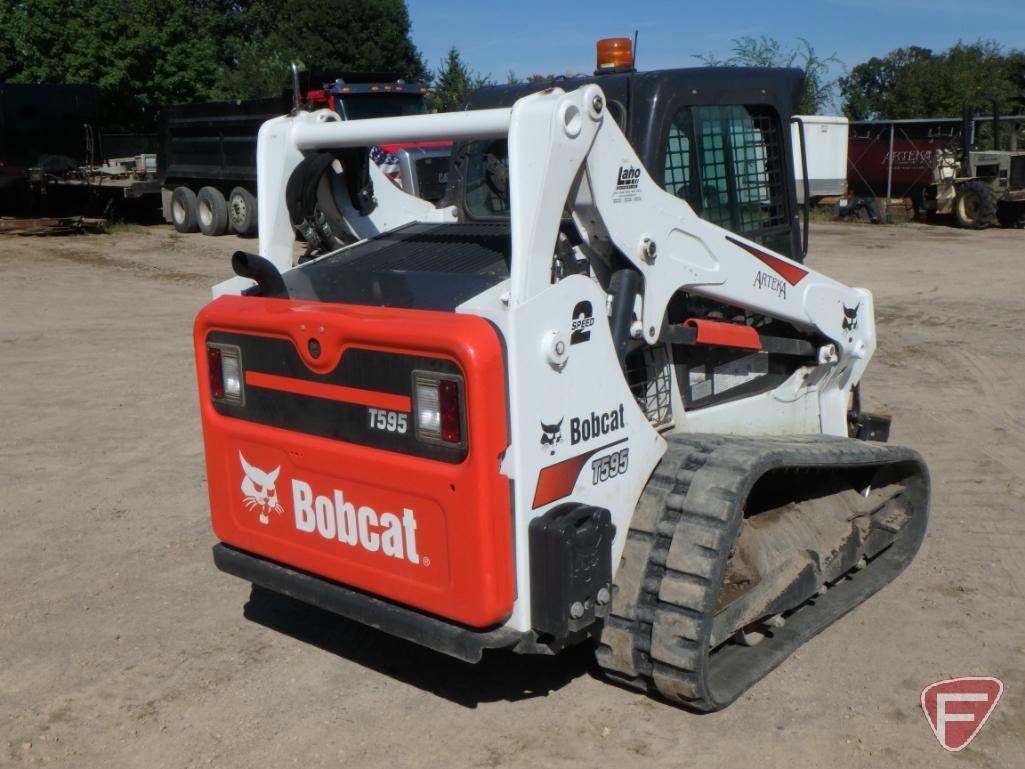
{"points": [[212, 211], [183, 210], [975, 206], [1011, 215], [242, 212]]}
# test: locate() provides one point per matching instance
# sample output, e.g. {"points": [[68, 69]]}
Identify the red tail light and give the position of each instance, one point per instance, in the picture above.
{"points": [[216, 373], [438, 407], [451, 418], [224, 368]]}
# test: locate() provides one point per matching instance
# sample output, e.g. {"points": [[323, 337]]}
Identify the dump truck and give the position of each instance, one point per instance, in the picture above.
{"points": [[594, 397], [207, 158]]}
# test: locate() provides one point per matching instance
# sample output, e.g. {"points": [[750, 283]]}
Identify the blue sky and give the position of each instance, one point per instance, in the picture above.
{"points": [[557, 36]]}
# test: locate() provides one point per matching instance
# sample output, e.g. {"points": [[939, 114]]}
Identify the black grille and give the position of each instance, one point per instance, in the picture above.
{"points": [[1018, 172], [479, 249], [432, 178], [419, 267]]}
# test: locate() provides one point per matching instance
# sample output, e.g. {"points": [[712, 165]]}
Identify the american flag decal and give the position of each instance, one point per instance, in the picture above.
{"points": [[388, 163]]}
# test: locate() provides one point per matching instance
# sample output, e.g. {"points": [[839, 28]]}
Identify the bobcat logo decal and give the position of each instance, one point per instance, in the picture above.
{"points": [[850, 317], [551, 436], [258, 489]]}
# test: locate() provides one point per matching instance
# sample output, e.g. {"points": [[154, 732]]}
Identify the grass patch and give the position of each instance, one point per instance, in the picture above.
{"points": [[823, 214], [121, 228]]}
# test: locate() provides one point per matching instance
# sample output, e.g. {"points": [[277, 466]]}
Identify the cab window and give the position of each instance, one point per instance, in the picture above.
{"points": [[727, 163], [487, 180]]}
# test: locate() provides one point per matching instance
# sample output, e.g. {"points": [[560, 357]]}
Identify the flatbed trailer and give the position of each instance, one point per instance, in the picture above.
{"points": [[46, 129]]}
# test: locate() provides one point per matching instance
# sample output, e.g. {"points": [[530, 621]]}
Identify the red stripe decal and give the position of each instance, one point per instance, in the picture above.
{"points": [[557, 481], [329, 391], [791, 273]]}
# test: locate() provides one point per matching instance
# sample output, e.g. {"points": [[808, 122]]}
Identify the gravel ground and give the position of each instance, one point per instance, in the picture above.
{"points": [[122, 646]]}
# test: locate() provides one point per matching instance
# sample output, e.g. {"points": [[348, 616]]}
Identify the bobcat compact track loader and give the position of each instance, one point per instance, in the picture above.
{"points": [[592, 399]]}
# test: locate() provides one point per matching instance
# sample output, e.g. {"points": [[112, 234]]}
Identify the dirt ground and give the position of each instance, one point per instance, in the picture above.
{"points": [[122, 646]]}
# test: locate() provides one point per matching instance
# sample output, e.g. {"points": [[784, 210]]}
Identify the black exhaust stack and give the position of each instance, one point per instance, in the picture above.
{"points": [[255, 267]]}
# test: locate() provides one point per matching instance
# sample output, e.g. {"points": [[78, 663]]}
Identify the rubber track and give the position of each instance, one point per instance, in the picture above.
{"points": [[665, 591]]}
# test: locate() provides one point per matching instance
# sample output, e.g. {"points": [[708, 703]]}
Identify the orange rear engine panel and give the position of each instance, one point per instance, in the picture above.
{"points": [[312, 470]]}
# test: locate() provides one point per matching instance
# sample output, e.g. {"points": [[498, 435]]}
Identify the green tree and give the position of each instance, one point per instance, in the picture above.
{"points": [[143, 54], [8, 52], [331, 35], [867, 90], [748, 51], [148, 54], [918, 83], [453, 82]]}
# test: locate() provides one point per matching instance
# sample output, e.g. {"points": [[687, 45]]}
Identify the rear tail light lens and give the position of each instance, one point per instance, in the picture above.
{"points": [[224, 367], [231, 369], [438, 403], [215, 370], [428, 410], [451, 418]]}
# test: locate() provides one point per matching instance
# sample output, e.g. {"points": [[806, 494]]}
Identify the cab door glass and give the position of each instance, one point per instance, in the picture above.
{"points": [[726, 162], [678, 172]]}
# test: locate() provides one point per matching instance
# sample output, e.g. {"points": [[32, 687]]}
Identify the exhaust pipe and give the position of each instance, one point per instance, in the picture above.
{"points": [[296, 98], [266, 275]]}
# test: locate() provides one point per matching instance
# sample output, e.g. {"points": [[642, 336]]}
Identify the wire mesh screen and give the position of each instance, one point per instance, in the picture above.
{"points": [[715, 178], [728, 162], [756, 160], [678, 159], [648, 372]]}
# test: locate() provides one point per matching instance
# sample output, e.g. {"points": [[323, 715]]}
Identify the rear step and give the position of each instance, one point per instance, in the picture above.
{"points": [[467, 644], [666, 629]]}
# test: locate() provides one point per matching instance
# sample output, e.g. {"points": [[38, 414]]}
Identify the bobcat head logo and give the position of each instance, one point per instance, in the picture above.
{"points": [[551, 436], [258, 489], [850, 318]]}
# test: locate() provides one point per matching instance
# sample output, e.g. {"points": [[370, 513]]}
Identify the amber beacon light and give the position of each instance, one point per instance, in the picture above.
{"points": [[615, 54]]}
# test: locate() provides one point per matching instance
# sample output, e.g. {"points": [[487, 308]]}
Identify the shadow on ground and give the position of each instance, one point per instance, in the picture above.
{"points": [[500, 675]]}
